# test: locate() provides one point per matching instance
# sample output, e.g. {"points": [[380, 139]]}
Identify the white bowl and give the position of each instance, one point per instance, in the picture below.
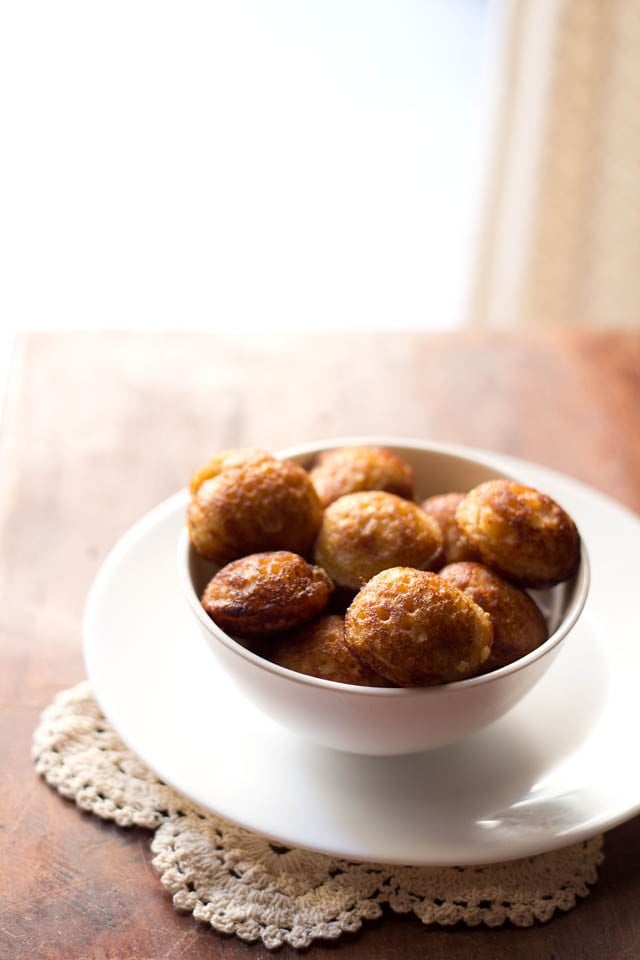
{"points": [[378, 720]]}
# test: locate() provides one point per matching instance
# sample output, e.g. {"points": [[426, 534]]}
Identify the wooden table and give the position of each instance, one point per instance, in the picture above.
{"points": [[98, 428]]}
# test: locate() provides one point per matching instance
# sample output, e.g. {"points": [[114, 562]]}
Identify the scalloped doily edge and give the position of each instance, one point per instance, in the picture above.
{"points": [[241, 884]]}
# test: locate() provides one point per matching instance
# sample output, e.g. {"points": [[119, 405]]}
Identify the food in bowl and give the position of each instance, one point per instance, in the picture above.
{"points": [[319, 650], [417, 618], [364, 533], [521, 532], [258, 504], [518, 624], [383, 719], [416, 629], [266, 593], [236, 457], [442, 508], [343, 470]]}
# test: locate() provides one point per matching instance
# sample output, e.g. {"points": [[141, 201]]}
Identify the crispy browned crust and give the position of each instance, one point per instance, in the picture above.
{"points": [[522, 533], [319, 650], [350, 469], [442, 508], [262, 504], [266, 593], [238, 456], [416, 629], [518, 624], [364, 533]]}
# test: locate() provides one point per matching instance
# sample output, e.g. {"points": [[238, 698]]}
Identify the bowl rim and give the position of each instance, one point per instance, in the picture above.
{"points": [[581, 581]]}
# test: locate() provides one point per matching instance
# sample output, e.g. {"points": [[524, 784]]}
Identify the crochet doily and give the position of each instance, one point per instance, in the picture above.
{"points": [[243, 884]]}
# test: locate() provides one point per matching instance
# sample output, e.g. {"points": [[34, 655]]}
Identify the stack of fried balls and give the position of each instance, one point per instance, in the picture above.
{"points": [[335, 571]]}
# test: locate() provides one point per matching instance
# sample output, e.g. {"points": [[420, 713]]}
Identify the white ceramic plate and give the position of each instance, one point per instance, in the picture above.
{"points": [[555, 770]]}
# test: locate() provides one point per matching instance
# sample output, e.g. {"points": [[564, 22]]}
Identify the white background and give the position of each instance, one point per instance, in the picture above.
{"points": [[284, 163]]}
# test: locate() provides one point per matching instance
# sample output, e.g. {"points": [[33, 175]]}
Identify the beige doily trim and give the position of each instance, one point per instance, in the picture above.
{"points": [[243, 884]]}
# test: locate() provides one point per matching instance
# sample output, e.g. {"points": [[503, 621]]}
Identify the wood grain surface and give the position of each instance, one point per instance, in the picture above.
{"points": [[98, 428]]}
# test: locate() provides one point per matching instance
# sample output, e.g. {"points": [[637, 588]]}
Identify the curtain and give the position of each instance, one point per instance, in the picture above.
{"points": [[560, 239]]}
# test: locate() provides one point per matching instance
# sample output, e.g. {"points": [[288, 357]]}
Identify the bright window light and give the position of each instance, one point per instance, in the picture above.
{"points": [[285, 164]]}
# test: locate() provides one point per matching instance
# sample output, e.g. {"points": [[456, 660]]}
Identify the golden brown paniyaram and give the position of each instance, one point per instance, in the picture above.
{"points": [[518, 624], [416, 629], [522, 533], [349, 469], [266, 593], [319, 650], [442, 508], [235, 457], [263, 518], [258, 504], [364, 533]]}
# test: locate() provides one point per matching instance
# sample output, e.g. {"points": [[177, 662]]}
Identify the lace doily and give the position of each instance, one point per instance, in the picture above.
{"points": [[243, 884]]}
